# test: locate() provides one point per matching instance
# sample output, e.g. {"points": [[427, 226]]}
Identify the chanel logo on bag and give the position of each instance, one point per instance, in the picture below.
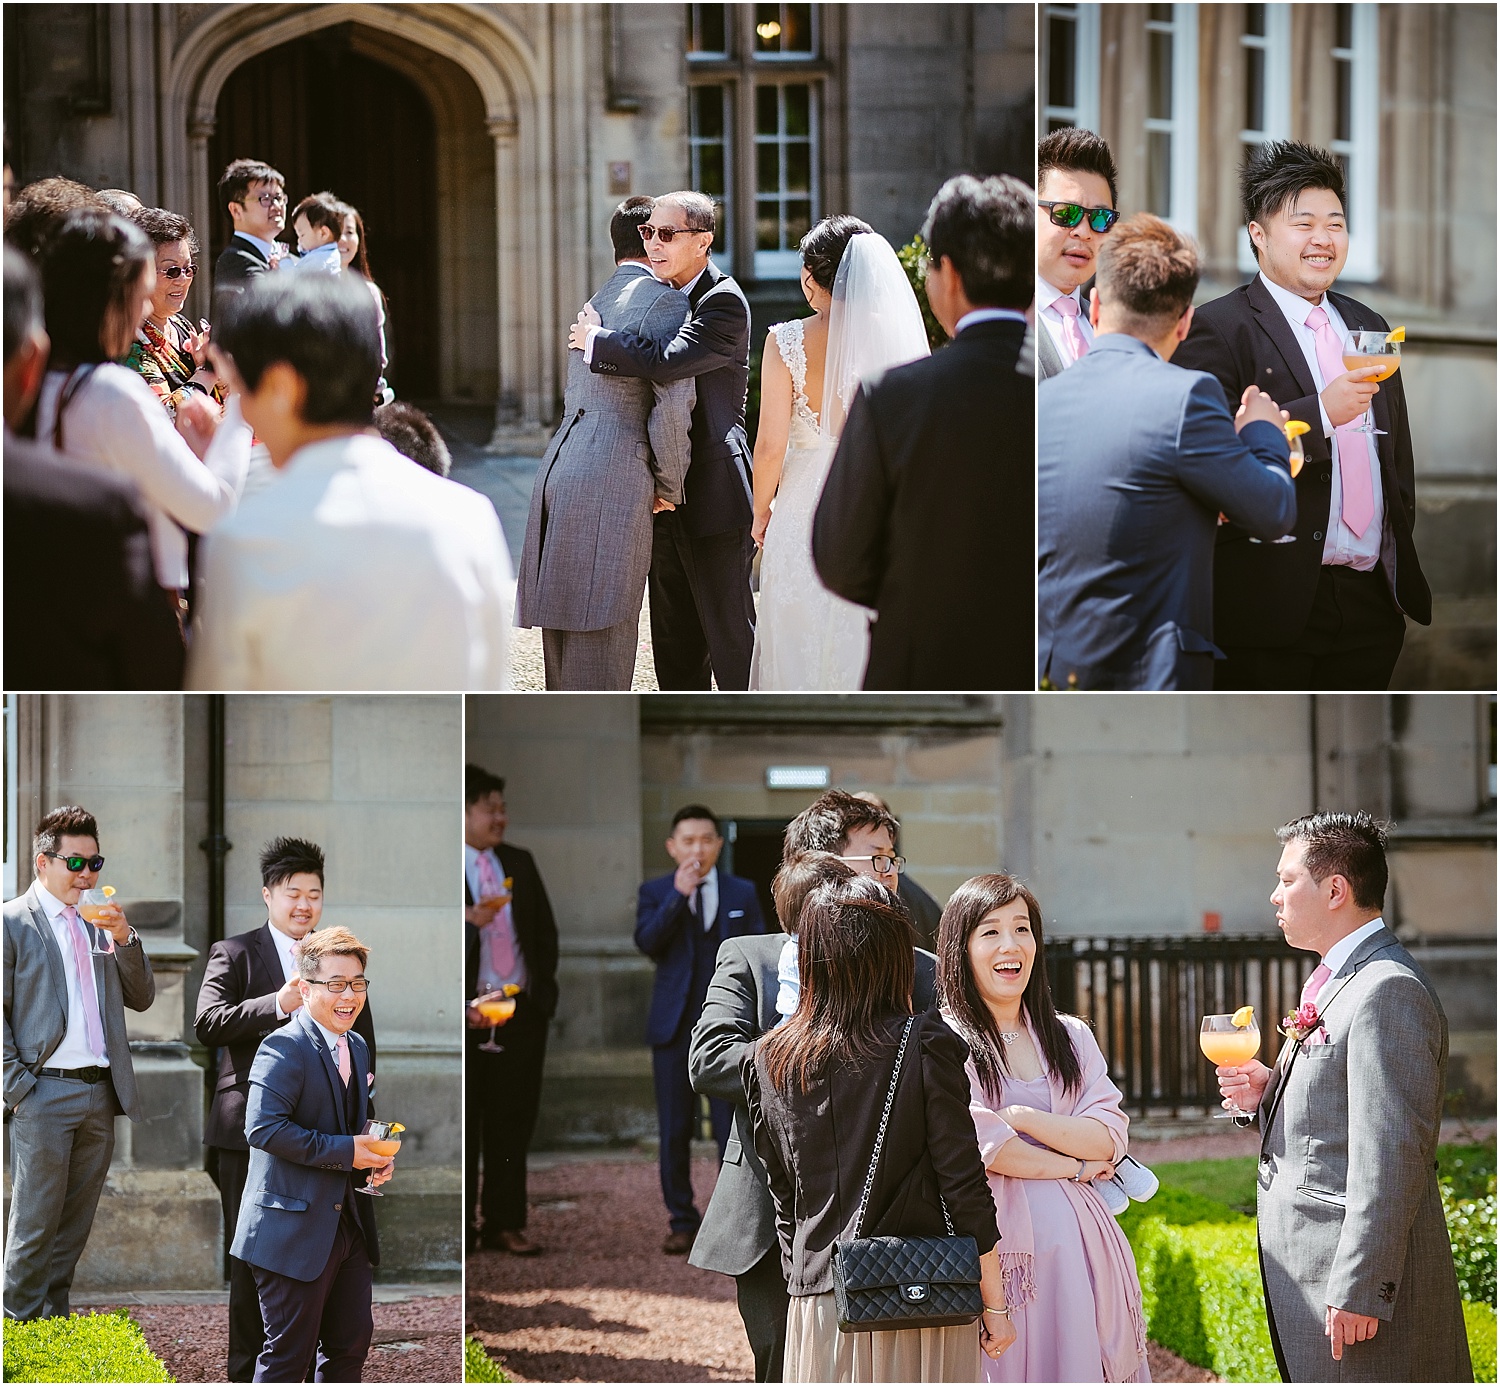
{"points": [[915, 1294]]}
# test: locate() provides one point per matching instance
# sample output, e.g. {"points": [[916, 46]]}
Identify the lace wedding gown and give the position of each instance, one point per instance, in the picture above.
{"points": [[805, 636]]}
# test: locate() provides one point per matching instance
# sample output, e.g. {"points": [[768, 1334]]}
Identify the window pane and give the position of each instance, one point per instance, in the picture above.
{"points": [[798, 222], [798, 101], [709, 175], [708, 113], [766, 121], [706, 29], [1343, 26], [1255, 89], [1062, 39], [1161, 13], [1160, 62], [768, 28], [1255, 20], [1053, 123], [799, 168], [767, 168], [796, 25], [767, 225], [1159, 172], [1343, 99]]}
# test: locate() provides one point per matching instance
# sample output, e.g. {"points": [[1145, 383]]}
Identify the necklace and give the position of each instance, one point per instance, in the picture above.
{"points": [[1010, 1036]]}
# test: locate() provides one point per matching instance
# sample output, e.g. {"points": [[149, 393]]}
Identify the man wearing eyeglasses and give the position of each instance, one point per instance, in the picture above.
{"points": [[305, 1230], [254, 195], [68, 1072], [250, 990], [1076, 202]]}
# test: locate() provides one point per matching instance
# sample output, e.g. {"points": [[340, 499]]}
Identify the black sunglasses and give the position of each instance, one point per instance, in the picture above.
{"points": [[1069, 214], [179, 272], [666, 233], [95, 863]]}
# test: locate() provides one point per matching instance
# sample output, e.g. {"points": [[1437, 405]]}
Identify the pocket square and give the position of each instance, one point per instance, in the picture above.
{"points": [[1318, 1036], [736, 914]]}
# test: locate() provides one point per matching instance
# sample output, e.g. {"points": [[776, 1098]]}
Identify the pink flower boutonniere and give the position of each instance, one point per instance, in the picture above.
{"points": [[1299, 1024]]}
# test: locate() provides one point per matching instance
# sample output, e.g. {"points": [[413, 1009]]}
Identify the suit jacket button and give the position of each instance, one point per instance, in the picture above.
{"points": [[338, 1207], [1317, 534]]}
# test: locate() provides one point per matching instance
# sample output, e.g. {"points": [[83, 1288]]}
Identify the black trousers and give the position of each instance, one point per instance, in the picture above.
{"points": [[247, 1331], [502, 1094], [702, 612], [1352, 640], [332, 1316], [763, 1301]]}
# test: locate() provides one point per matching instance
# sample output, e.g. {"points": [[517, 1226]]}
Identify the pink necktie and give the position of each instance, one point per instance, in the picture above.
{"points": [[1067, 309], [502, 947], [1314, 984], [85, 969], [1350, 447], [344, 1069]]}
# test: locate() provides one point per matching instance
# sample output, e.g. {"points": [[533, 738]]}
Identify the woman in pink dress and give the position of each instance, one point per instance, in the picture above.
{"points": [[1049, 1123]]}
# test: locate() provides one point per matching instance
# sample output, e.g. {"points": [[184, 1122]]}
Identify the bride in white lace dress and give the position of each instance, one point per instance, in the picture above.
{"points": [[865, 319]]}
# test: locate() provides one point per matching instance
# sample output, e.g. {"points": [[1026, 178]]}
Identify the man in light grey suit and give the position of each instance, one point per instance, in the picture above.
{"points": [[619, 458], [67, 1061], [1354, 1252]]}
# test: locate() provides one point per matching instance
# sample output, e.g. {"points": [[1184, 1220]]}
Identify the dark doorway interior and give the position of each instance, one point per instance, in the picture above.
{"points": [[754, 852], [331, 118]]}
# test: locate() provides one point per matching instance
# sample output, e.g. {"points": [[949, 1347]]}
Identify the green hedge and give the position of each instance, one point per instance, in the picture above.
{"points": [[81, 1347], [479, 1365], [1466, 1176], [1479, 1319]]}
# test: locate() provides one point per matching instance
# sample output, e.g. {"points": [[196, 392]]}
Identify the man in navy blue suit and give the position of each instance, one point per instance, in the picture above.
{"points": [[310, 1242], [1136, 461], [680, 921]]}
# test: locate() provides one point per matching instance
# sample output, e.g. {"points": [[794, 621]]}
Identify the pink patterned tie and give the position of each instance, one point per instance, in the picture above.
{"points": [[1350, 446], [498, 937], [344, 1069], [1067, 309], [1314, 984], [85, 969]]}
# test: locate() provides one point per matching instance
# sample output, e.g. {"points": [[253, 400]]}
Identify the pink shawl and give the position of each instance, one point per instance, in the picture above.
{"points": [[1122, 1328]]}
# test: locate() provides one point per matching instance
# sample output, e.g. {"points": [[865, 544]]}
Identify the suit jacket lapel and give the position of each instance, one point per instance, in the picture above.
{"points": [[1049, 359], [264, 948], [330, 1067], [706, 281], [55, 964], [1274, 324]]}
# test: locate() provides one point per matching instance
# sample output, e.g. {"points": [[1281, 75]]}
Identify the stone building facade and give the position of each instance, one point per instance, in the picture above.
{"points": [[375, 782], [1127, 816], [486, 144], [1404, 96]]}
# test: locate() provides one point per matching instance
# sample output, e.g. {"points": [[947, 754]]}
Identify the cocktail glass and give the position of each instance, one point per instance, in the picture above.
{"points": [[387, 1142], [1366, 349], [1228, 1045], [497, 1008]]}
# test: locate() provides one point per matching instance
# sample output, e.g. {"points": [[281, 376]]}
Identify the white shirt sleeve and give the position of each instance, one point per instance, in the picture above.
{"points": [[221, 656], [588, 345]]}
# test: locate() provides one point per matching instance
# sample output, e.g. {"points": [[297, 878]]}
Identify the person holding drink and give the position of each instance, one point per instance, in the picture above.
{"points": [[511, 978], [68, 1070]]}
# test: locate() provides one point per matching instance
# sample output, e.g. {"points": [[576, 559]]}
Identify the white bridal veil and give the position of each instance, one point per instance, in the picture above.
{"points": [[874, 324]]}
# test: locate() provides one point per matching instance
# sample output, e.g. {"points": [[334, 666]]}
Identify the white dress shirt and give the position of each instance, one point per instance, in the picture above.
{"points": [[1338, 955], [1341, 546], [708, 900], [114, 421], [270, 249], [331, 1039], [355, 569], [1046, 314], [74, 1051], [979, 315], [284, 945], [489, 979]]}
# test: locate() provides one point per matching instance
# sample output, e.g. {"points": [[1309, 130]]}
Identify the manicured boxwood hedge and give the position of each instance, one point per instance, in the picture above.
{"points": [[479, 1365], [1480, 1321], [81, 1347]]}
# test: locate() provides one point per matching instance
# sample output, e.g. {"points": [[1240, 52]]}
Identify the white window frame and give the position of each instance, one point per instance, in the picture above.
{"points": [[1183, 125], [1363, 151], [727, 51], [799, 55], [1084, 113], [723, 260], [1277, 46], [787, 264]]}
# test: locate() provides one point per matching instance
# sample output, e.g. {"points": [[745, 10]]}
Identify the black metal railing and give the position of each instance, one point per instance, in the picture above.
{"points": [[1146, 998]]}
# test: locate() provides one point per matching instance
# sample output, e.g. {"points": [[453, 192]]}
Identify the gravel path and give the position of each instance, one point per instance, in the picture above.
{"points": [[416, 1339], [605, 1304]]}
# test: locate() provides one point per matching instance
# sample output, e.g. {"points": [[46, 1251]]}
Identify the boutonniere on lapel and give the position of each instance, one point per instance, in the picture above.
{"points": [[1304, 1025]]}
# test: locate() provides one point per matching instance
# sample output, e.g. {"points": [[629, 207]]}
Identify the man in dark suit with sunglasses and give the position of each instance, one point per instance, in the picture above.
{"points": [[1328, 611], [702, 613], [1076, 201]]}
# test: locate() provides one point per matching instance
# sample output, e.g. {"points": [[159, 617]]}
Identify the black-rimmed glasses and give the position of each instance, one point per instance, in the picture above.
{"points": [[339, 985], [94, 863], [1069, 214], [882, 863]]}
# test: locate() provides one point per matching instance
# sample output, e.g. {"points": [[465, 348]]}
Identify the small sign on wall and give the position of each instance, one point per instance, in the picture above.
{"points": [[619, 178]]}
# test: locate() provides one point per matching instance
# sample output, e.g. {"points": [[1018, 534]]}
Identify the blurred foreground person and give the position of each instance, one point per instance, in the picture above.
{"points": [[353, 569], [52, 508]]}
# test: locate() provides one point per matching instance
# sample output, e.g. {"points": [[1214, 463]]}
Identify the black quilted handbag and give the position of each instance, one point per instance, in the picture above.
{"points": [[904, 1282]]}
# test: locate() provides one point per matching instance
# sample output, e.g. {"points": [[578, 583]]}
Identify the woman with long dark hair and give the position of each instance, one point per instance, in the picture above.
{"points": [[1049, 1123], [817, 1086], [354, 256]]}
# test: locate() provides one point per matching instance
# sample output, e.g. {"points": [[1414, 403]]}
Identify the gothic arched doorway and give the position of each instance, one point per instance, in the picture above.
{"points": [[329, 116]]}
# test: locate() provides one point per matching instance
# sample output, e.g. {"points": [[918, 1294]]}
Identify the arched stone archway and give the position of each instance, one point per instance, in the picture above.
{"points": [[512, 105]]}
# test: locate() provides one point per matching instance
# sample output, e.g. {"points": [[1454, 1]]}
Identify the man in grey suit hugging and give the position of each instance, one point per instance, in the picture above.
{"points": [[67, 1059], [618, 458], [1354, 1252]]}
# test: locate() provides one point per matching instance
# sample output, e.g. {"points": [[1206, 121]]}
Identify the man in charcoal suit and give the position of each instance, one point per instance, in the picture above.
{"points": [[250, 989], [1328, 611], [680, 921], [619, 457], [702, 612], [926, 513], [510, 941], [1354, 1250], [68, 1070], [254, 195], [738, 1236], [307, 1234]]}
